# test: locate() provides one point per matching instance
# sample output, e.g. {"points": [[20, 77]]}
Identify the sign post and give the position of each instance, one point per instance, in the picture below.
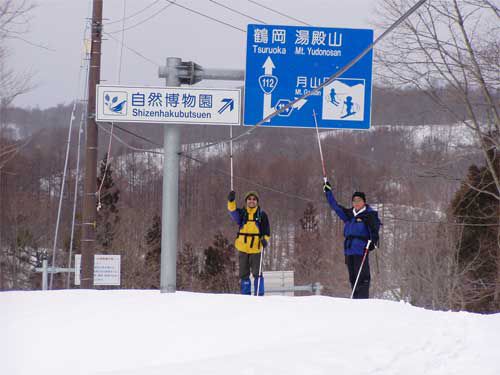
{"points": [[172, 106], [286, 62]]}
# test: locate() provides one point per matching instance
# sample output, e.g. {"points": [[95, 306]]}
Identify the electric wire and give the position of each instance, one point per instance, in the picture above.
{"points": [[140, 22], [125, 143], [237, 12], [133, 14], [206, 16], [156, 64], [278, 12]]}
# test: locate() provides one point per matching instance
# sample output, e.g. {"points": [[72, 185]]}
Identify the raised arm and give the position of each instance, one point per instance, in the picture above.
{"points": [[231, 206], [339, 210]]}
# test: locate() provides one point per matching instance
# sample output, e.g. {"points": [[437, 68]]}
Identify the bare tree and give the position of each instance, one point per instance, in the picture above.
{"points": [[14, 22], [451, 48]]}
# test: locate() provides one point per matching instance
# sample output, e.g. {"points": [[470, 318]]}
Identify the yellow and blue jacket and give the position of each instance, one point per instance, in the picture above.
{"points": [[253, 228]]}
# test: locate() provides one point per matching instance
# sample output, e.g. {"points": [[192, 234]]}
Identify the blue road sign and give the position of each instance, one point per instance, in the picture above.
{"points": [[285, 62]]}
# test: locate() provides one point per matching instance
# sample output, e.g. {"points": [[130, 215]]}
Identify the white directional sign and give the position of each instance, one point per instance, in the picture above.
{"points": [[177, 105]]}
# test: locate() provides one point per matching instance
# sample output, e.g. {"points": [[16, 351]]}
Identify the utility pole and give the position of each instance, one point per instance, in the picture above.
{"points": [[90, 180]]}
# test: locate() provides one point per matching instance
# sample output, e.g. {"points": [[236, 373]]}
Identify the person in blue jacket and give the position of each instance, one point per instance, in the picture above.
{"points": [[361, 226]]}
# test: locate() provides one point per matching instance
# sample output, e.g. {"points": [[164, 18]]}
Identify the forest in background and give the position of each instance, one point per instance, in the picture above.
{"points": [[409, 175], [430, 165]]}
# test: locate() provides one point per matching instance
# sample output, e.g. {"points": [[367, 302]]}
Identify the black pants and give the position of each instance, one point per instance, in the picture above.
{"points": [[353, 263], [249, 262]]}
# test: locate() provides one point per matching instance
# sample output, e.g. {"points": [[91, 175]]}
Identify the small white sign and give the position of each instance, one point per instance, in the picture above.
{"points": [[179, 105], [106, 269]]}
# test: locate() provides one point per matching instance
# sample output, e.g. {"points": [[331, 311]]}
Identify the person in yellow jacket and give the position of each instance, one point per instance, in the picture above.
{"points": [[252, 237]]}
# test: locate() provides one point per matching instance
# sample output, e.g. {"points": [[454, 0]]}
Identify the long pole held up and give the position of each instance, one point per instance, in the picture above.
{"points": [[320, 149], [231, 154], [360, 268]]}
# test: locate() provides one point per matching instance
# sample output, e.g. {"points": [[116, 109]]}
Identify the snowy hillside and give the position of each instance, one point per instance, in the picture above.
{"points": [[127, 332]]}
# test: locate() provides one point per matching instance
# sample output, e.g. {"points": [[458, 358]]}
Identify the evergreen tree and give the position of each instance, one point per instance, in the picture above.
{"points": [[153, 253], [188, 269], [477, 246], [219, 271], [307, 260], [107, 210]]}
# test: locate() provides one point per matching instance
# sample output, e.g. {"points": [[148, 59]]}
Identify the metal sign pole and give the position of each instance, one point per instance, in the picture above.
{"points": [[170, 204], [45, 275], [177, 72]]}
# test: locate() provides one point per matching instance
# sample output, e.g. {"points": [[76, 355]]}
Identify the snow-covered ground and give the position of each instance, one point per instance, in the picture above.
{"points": [[134, 332]]}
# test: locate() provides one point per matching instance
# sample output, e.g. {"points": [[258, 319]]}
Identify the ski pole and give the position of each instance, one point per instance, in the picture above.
{"points": [[320, 149], [231, 154], [260, 272], [361, 267]]}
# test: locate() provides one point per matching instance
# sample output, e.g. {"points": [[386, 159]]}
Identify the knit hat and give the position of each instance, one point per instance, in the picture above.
{"points": [[254, 193], [359, 194]]}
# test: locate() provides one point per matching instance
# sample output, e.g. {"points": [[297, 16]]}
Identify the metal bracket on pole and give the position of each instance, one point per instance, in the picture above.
{"points": [[189, 73]]}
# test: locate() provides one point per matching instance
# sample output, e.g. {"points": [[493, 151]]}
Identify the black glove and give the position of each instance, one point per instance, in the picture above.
{"points": [[264, 242], [371, 246], [232, 196], [327, 186]]}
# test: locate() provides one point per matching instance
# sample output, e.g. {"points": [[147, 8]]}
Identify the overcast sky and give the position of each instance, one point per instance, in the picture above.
{"points": [[159, 31]]}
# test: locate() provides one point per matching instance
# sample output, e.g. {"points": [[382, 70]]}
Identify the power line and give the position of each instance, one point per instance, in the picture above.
{"points": [[278, 12], [125, 143], [138, 136], [251, 181], [206, 16], [141, 22], [134, 14], [237, 12], [133, 50], [32, 43]]}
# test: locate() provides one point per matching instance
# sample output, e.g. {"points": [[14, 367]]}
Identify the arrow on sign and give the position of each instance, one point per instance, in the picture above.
{"points": [[268, 83], [229, 103], [268, 66], [300, 103]]}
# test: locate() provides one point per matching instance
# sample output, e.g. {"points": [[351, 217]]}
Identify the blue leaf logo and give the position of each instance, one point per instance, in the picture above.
{"points": [[115, 103]]}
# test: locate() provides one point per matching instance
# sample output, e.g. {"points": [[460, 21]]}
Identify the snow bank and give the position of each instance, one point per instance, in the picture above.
{"points": [[133, 332]]}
